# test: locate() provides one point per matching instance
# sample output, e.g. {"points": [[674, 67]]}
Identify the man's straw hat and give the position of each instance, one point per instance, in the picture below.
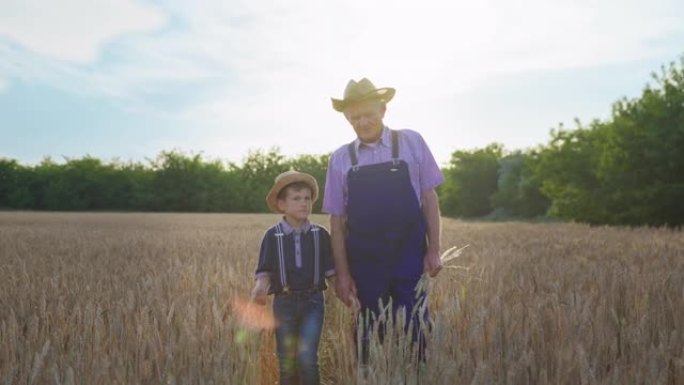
{"points": [[282, 180], [361, 91]]}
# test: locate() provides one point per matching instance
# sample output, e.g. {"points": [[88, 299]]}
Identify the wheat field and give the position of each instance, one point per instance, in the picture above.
{"points": [[151, 299]]}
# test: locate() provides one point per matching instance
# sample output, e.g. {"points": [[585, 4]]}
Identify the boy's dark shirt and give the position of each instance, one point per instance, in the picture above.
{"points": [[299, 271]]}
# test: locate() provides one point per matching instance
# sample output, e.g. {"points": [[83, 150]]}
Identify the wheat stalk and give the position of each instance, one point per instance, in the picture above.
{"points": [[447, 256]]}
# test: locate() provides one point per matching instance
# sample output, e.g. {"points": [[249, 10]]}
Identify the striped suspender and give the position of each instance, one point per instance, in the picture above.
{"points": [[317, 255], [279, 234]]}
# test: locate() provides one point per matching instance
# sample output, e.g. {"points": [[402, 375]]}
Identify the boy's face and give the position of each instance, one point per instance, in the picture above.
{"points": [[297, 203]]}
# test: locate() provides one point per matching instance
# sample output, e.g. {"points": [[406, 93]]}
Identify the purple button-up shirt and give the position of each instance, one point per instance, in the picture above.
{"points": [[423, 169]]}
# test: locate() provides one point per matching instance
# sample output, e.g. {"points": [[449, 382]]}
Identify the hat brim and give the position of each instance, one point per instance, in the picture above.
{"points": [[281, 183], [381, 94]]}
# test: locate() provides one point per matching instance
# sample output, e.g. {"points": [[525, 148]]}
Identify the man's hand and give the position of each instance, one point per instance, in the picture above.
{"points": [[345, 288], [432, 263]]}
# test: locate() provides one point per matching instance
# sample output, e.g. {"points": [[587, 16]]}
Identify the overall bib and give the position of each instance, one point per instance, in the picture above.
{"points": [[385, 238]]}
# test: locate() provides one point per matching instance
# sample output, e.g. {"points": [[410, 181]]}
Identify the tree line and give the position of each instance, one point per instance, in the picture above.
{"points": [[173, 181], [626, 170]]}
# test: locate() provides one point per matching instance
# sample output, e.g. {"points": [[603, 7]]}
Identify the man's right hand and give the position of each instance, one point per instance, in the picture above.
{"points": [[345, 288]]}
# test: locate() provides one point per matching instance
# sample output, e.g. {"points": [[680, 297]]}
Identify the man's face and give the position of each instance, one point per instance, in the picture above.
{"points": [[366, 118]]}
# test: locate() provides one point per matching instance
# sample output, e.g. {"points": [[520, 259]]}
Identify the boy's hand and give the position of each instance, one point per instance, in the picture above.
{"points": [[260, 291], [259, 297]]}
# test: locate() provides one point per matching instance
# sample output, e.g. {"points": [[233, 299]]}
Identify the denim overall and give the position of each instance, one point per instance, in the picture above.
{"points": [[386, 238]]}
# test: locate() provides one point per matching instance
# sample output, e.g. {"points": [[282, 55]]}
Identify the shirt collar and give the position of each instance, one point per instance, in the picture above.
{"points": [[287, 229], [385, 140]]}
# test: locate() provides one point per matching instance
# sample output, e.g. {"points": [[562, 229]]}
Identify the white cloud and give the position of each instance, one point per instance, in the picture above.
{"points": [[262, 71], [291, 61], [74, 30], [260, 47]]}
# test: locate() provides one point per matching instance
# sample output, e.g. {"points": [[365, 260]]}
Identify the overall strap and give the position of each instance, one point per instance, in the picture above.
{"points": [[317, 255], [279, 234], [395, 150], [352, 155], [395, 146]]}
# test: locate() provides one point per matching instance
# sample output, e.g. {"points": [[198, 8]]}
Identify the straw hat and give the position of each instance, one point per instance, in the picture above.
{"points": [[284, 179], [361, 91]]}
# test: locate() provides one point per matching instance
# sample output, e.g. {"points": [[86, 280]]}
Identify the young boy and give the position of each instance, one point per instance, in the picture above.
{"points": [[294, 261]]}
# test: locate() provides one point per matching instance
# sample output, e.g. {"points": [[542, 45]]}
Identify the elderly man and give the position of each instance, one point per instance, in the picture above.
{"points": [[384, 211]]}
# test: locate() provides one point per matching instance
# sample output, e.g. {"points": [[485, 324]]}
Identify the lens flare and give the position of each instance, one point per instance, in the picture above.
{"points": [[253, 316]]}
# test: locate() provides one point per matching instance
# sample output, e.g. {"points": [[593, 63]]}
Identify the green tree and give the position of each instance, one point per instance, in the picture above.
{"points": [[186, 183], [34, 184], [518, 189], [255, 177], [642, 164], [567, 168], [626, 170], [9, 175], [471, 181]]}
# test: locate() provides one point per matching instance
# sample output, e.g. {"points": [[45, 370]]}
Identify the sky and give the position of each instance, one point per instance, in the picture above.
{"points": [[128, 79]]}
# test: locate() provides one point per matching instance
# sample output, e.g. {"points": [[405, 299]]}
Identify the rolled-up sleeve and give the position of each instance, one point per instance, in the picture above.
{"points": [[430, 174], [333, 196]]}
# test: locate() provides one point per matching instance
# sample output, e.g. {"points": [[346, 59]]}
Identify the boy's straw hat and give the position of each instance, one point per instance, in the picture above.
{"points": [[361, 91], [282, 180]]}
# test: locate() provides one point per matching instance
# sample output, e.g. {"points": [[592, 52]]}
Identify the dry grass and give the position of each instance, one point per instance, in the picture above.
{"points": [[146, 299]]}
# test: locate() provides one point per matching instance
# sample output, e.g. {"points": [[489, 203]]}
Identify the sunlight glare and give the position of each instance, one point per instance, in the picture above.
{"points": [[253, 316]]}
